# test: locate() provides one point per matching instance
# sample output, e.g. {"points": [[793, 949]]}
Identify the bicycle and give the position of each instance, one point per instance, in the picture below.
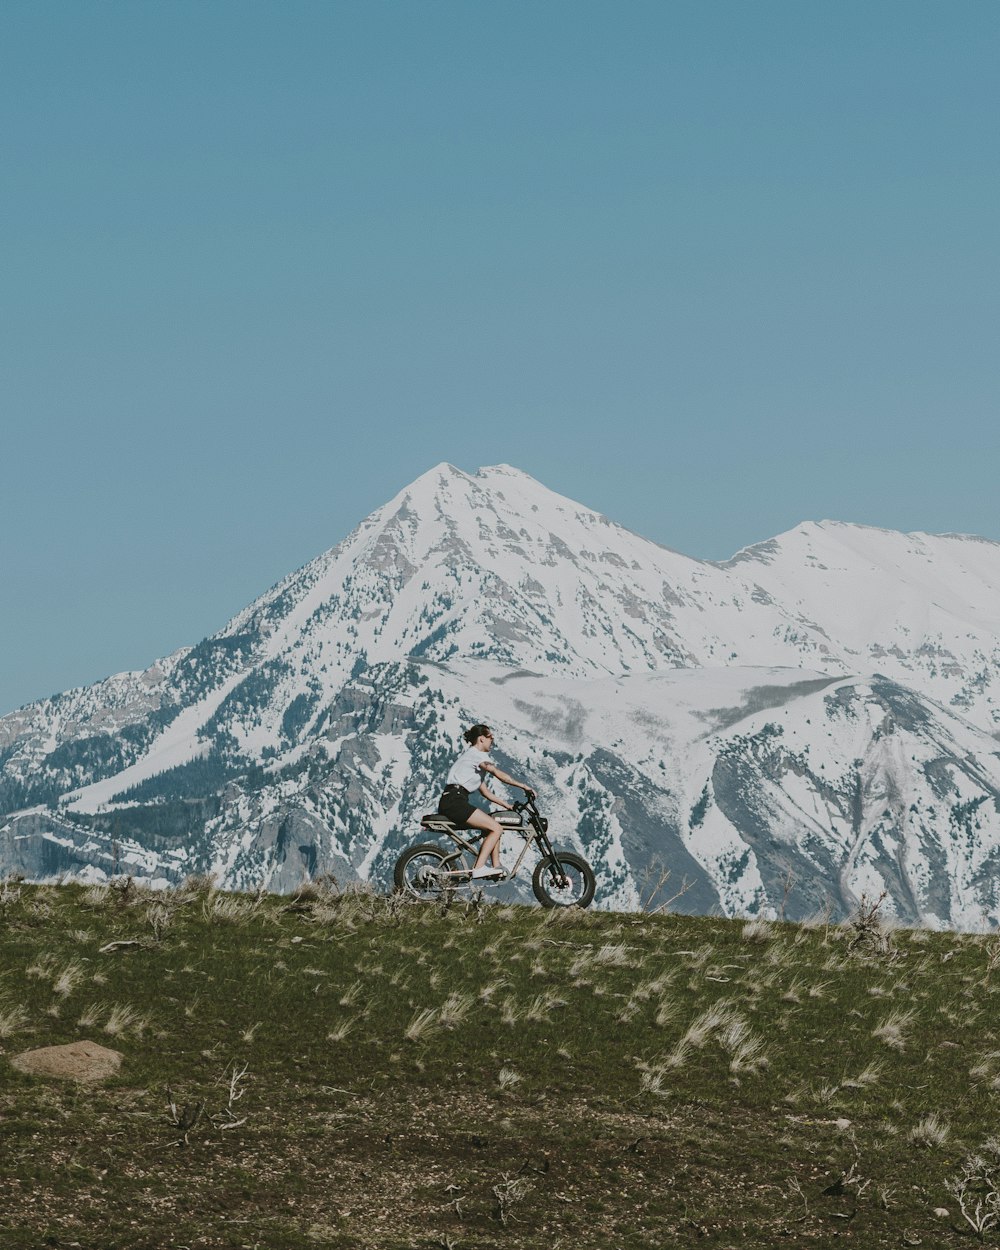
{"points": [[429, 871]]}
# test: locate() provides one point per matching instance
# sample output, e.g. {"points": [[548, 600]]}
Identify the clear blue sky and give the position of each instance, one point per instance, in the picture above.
{"points": [[712, 268]]}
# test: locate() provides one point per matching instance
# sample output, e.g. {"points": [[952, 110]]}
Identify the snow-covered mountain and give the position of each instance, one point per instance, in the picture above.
{"points": [[809, 720]]}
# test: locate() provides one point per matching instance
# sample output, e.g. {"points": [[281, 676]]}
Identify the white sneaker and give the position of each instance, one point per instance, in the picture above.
{"points": [[488, 874]]}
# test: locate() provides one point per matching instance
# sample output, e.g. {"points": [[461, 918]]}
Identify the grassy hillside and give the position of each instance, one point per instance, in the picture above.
{"points": [[354, 1071]]}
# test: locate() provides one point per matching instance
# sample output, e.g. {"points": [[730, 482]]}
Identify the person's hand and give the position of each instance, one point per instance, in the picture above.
{"points": [[528, 792]]}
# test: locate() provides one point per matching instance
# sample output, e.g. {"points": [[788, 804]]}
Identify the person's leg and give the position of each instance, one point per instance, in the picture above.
{"points": [[490, 846]]}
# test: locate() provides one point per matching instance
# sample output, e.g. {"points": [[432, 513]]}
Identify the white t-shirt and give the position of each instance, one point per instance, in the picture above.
{"points": [[465, 770]]}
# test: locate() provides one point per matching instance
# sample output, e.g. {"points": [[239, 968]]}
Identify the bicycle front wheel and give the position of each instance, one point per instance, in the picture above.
{"points": [[565, 880]]}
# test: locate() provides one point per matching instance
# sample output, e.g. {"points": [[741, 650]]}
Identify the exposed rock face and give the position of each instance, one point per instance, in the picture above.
{"points": [[86, 1062], [812, 719]]}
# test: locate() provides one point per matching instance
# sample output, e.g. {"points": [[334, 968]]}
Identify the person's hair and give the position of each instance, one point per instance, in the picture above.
{"points": [[477, 731]]}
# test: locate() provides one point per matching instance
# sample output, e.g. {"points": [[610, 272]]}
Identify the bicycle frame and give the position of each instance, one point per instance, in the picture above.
{"points": [[534, 832]]}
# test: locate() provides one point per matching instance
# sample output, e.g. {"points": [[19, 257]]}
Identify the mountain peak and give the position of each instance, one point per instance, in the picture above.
{"points": [[506, 470]]}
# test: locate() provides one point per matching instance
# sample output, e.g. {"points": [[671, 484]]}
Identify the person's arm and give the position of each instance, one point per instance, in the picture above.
{"points": [[508, 781], [492, 798]]}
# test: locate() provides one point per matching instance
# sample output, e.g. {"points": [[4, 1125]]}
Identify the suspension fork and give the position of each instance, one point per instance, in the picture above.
{"points": [[549, 850]]}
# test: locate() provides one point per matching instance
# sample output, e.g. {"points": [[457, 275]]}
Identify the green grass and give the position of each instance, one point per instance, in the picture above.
{"points": [[354, 1071]]}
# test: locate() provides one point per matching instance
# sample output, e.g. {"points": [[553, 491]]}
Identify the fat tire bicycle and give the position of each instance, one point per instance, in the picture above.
{"points": [[429, 871]]}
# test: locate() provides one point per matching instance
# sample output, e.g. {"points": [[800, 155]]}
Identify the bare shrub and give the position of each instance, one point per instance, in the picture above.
{"points": [[507, 1192], [654, 888], [235, 1078], [185, 1118], [868, 931], [324, 888], [123, 891], [976, 1187]]}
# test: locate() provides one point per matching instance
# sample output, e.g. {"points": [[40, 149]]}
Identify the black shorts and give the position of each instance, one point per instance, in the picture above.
{"points": [[456, 806]]}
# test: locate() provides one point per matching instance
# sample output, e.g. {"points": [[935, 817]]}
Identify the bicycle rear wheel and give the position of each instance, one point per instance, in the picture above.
{"points": [[422, 872], [564, 881]]}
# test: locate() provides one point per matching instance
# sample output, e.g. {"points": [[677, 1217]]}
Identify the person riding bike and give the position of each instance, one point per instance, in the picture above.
{"points": [[466, 775]]}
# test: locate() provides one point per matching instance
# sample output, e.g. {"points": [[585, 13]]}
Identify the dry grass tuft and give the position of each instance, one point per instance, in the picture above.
{"points": [[930, 1131], [758, 931], [510, 1013], [612, 955], [651, 1082], [13, 1019], [868, 1076], [794, 992], [70, 977], [89, 1017], [747, 1050], [230, 909], [454, 1009], [123, 1019], [423, 1023], [347, 1026], [891, 1031], [542, 1005]]}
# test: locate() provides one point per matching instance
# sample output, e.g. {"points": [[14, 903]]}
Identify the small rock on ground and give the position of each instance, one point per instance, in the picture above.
{"points": [[77, 1061]]}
